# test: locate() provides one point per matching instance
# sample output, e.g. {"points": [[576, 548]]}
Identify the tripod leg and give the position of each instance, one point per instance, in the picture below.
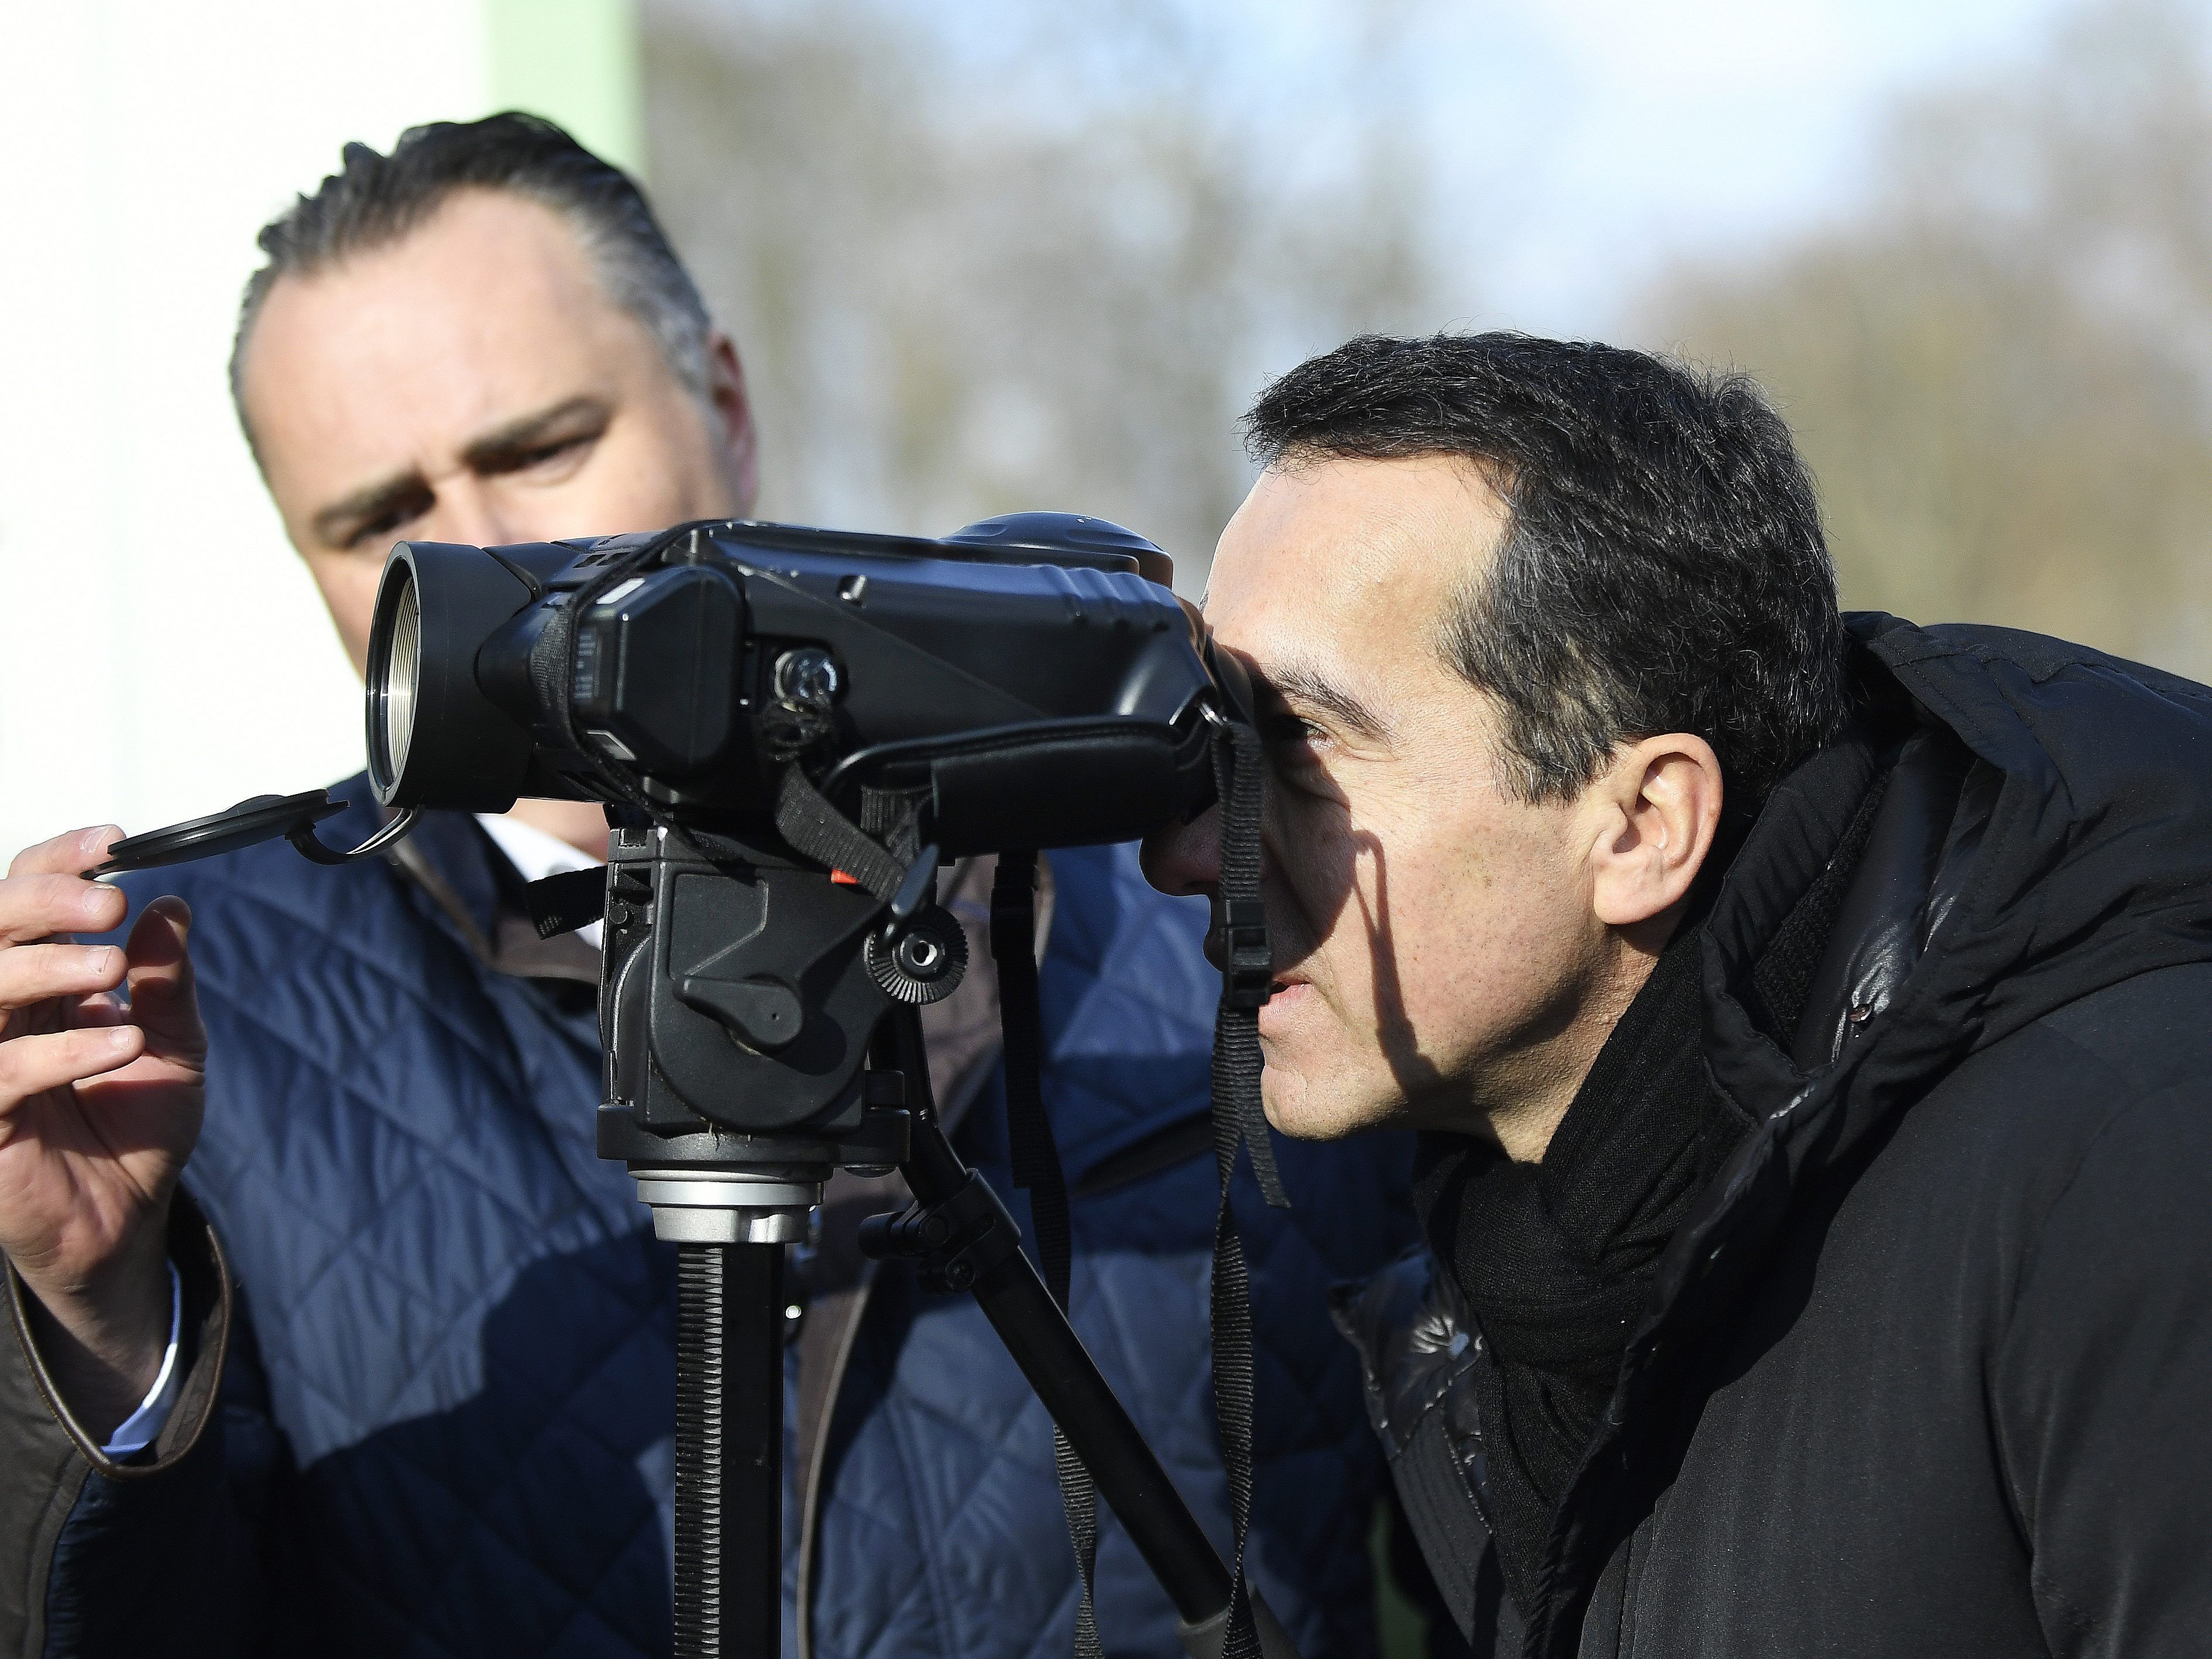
{"points": [[729, 1450], [1039, 1336]]}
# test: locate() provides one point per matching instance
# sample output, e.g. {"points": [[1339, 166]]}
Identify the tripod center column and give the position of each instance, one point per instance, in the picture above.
{"points": [[729, 1445]]}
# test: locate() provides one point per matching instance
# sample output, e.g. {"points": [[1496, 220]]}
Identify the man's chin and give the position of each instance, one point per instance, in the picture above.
{"points": [[1311, 1086], [1299, 1106]]}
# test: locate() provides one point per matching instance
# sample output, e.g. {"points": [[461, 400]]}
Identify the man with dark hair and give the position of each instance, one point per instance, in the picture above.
{"points": [[1803, 1015], [428, 1407]]}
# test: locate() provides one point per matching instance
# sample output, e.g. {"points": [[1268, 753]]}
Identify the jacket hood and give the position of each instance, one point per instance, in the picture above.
{"points": [[2068, 847]]}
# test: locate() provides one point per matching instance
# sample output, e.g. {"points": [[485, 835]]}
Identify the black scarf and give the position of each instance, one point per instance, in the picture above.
{"points": [[1554, 1258]]}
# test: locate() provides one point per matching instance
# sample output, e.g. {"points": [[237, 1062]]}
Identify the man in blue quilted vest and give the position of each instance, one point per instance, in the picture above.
{"points": [[329, 1331]]}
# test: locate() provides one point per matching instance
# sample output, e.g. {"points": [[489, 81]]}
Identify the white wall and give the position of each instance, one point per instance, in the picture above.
{"points": [[162, 653]]}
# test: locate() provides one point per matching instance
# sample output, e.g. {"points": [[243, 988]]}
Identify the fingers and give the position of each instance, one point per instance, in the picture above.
{"points": [[106, 1009], [162, 1000], [33, 973], [31, 1065], [71, 854], [41, 905], [46, 894]]}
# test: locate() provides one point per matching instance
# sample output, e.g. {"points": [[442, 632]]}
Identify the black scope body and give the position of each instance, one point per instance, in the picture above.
{"points": [[1029, 682]]}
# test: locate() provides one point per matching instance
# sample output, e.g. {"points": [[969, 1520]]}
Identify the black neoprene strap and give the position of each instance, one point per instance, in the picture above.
{"points": [[1036, 1171], [1247, 974], [567, 899]]}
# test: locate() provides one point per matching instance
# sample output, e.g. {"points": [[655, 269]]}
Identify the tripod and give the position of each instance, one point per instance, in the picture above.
{"points": [[729, 1482], [692, 959]]}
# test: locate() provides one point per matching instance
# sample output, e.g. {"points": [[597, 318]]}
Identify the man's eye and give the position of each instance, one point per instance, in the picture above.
{"points": [[1295, 746], [559, 453], [385, 525]]}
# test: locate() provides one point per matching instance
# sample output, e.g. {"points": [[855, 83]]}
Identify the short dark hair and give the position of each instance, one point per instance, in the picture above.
{"points": [[374, 200], [1662, 568]]}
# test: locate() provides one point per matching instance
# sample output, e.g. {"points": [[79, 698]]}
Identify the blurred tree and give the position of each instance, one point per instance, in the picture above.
{"points": [[1998, 369], [1006, 257]]}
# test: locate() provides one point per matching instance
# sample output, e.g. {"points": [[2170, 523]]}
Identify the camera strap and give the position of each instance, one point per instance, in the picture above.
{"points": [[1247, 976], [553, 664], [1239, 1121], [1036, 1171], [805, 818]]}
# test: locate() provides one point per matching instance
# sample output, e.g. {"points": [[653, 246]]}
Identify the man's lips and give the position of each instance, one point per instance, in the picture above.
{"points": [[1283, 1001]]}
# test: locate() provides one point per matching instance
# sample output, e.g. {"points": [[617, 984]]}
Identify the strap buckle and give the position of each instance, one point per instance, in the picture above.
{"points": [[1248, 961]]}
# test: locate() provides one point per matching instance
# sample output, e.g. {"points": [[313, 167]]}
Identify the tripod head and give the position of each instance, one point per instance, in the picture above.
{"points": [[738, 998]]}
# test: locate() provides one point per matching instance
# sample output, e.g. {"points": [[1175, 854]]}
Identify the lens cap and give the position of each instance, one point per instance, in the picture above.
{"points": [[264, 817]]}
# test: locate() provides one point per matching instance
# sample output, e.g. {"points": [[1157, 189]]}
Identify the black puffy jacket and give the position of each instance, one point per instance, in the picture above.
{"points": [[1929, 1370]]}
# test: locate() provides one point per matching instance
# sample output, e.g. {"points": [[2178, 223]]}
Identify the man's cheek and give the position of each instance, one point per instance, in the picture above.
{"points": [[1315, 867]]}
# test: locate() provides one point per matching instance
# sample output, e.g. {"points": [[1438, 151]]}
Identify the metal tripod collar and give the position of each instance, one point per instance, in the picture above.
{"points": [[693, 1205]]}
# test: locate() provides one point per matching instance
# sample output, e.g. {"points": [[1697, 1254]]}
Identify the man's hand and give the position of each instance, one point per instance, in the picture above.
{"points": [[100, 1107]]}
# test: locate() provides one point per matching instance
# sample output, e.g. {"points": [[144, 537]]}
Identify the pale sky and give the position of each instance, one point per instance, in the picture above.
{"points": [[1583, 145], [1607, 139]]}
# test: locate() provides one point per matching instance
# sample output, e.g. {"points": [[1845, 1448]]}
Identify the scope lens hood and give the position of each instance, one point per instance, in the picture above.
{"points": [[434, 739]]}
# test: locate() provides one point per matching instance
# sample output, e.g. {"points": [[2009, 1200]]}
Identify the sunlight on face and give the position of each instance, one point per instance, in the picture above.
{"points": [[1431, 932]]}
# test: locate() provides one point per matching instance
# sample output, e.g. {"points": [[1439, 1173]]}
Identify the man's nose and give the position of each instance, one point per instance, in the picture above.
{"points": [[1185, 858]]}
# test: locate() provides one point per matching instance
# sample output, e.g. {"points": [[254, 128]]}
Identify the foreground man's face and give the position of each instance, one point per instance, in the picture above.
{"points": [[472, 382], [1431, 932]]}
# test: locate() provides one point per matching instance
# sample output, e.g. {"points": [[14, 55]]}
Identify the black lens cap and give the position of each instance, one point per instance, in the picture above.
{"points": [[264, 817]]}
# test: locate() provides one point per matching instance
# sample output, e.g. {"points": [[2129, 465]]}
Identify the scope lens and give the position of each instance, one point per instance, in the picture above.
{"points": [[395, 691]]}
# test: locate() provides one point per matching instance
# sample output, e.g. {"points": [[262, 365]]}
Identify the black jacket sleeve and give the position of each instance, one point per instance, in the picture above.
{"points": [[2103, 1389], [157, 1552]]}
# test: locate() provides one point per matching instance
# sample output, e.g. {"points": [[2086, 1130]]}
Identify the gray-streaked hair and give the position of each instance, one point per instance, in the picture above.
{"points": [[374, 200]]}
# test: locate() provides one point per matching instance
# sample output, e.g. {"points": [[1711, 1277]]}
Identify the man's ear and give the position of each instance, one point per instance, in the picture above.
{"points": [[734, 409], [1659, 807]]}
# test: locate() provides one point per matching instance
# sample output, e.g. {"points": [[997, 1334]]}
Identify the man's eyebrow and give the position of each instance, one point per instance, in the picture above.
{"points": [[508, 444], [496, 451], [1303, 684], [335, 524]]}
